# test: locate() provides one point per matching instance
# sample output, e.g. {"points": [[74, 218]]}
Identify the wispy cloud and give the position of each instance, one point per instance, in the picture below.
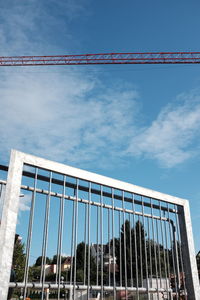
{"points": [[171, 138], [51, 114], [33, 27], [71, 117], [60, 116], [25, 202]]}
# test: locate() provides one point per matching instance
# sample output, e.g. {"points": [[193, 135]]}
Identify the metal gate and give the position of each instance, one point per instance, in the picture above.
{"points": [[95, 237]]}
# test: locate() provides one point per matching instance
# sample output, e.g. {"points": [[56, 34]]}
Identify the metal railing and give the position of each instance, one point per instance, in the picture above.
{"points": [[123, 241]]}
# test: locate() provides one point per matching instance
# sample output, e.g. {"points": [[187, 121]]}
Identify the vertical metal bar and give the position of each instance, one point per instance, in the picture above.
{"points": [[145, 250], [167, 256], [45, 236], [120, 251], [75, 240], [131, 250], [135, 244], [140, 247], [30, 231], [163, 244], [154, 244], [9, 220], [102, 250], [176, 258], [188, 250], [150, 254], [180, 251], [125, 258], [97, 250], [85, 246], [108, 247], [61, 221], [88, 289], [72, 249], [58, 244], [172, 249], [113, 239], [159, 259]]}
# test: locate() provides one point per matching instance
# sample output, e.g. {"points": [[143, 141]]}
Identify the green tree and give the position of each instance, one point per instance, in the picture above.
{"points": [[80, 257], [156, 258], [38, 261], [138, 249], [19, 260], [35, 270], [34, 273], [55, 259], [135, 252]]}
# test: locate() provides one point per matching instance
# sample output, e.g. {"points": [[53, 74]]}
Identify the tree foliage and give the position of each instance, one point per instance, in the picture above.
{"points": [[34, 273], [80, 257], [19, 260], [142, 257], [38, 261], [55, 259]]}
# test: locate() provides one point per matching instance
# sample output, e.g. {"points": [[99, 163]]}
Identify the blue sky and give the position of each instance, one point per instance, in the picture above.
{"points": [[140, 124]]}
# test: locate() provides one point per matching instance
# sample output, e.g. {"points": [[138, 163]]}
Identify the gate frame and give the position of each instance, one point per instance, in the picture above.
{"points": [[11, 204]]}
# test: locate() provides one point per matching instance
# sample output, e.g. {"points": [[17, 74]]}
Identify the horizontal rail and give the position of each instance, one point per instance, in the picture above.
{"points": [[37, 285], [81, 200], [93, 191]]}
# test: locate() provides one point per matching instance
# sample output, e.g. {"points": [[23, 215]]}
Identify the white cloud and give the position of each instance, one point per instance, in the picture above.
{"points": [[61, 117], [68, 116], [33, 27], [65, 254], [25, 202], [171, 138]]}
